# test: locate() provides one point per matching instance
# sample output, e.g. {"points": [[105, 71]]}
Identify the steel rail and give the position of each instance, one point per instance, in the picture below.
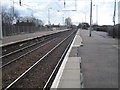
{"points": [[26, 53], [36, 63], [57, 66], [18, 50], [21, 49]]}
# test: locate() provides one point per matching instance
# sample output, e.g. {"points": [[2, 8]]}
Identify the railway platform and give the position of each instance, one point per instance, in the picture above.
{"points": [[18, 38], [69, 74], [91, 62]]}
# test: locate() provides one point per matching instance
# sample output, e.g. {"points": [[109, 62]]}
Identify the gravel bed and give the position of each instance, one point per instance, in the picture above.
{"points": [[16, 46], [15, 55], [38, 77], [12, 71]]}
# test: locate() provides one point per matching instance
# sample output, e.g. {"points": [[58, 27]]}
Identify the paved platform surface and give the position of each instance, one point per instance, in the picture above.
{"points": [[99, 59], [71, 74], [91, 62], [18, 38]]}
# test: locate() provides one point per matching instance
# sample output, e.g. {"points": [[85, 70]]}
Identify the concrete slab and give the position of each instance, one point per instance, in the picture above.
{"points": [[69, 84], [74, 59], [74, 52], [73, 63], [71, 75], [78, 41], [78, 32], [72, 66]]}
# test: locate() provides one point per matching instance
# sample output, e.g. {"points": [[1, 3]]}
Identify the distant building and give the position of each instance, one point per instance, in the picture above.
{"points": [[30, 21], [83, 25]]}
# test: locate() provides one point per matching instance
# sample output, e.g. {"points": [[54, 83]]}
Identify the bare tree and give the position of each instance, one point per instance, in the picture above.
{"points": [[68, 22], [37, 22], [8, 16]]}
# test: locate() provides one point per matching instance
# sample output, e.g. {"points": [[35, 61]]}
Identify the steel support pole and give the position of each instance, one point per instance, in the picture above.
{"points": [[49, 16], [1, 35], [114, 19], [97, 14], [63, 19], [90, 18]]}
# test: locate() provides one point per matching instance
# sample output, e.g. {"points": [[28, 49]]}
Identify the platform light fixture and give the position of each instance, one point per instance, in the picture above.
{"points": [[49, 16]]}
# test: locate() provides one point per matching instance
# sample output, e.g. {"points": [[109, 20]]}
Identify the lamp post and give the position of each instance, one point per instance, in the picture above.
{"points": [[90, 18], [13, 9], [49, 16], [62, 16], [96, 14], [114, 19], [1, 36], [85, 15]]}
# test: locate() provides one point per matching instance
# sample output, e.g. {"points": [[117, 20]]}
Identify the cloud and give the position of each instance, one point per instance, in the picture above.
{"points": [[77, 17], [39, 14], [39, 8]]}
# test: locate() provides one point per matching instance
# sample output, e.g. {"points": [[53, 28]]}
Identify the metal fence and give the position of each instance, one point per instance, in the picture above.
{"points": [[116, 31], [15, 30], [10, 30], [111, 30]]}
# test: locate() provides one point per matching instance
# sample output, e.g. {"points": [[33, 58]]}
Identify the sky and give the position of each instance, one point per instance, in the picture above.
{"points": [[77, 10]]}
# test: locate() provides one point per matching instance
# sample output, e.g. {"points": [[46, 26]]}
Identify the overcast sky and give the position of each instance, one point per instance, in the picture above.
{"points": [[39, 9]]}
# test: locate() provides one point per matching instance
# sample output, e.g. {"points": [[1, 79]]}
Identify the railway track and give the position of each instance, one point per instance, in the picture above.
{"points": [[13, 48], [21, 52], [41, 70]]}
